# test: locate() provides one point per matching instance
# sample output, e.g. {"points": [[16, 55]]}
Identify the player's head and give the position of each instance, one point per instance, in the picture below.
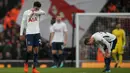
{"points": [[58, 18], [89, 41], [53, 20], [37, 5], [118, 25]]}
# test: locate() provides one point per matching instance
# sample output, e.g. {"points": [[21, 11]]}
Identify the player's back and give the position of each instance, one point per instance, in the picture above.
{"points": [[106, 35]]}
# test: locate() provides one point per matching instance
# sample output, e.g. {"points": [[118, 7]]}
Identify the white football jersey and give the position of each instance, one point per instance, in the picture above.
{"points": [[31, 24], [106, 35], [103, 38], [59, 29]]}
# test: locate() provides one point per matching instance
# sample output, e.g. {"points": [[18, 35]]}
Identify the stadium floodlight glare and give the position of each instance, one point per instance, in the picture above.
{"points": [[95, 15]]}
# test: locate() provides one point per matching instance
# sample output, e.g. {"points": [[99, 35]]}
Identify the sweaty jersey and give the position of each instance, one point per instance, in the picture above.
{"points": [[103, 38], [31, 22], [58, 29], [120, 34]]}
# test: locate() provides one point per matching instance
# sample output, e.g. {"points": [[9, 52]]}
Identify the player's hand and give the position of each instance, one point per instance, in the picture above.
{"points": [[22, 37]]}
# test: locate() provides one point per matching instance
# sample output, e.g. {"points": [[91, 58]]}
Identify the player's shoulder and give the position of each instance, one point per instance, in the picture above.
{"points": [[114, 30], [51, 27], [96, 34], [54, 24], [63, 23], [26, 11], [122, 29]]}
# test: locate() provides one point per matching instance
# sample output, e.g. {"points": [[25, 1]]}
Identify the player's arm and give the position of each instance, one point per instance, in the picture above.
{"points": [[23, 23], [101, 48], [51, 31], [51, 37], [51, 34], [124, 38], [65, 34], [40, 12], [107, 44]]}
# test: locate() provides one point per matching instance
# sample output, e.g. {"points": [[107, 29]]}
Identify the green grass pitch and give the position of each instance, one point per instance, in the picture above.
{"points": [[65, 70]]}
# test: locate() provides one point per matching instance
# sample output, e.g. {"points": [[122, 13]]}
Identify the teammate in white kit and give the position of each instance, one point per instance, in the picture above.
{"points": [[30, 22], [58, 40], [106, 42]]}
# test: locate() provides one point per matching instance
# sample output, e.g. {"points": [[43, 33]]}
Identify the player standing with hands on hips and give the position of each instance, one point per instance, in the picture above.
{"points": [[58, 40], [106, 42], [30, 22]]}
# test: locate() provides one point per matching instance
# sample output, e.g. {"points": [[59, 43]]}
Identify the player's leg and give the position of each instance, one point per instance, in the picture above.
{"points": [[114, 53], [120, 53], [35, 60], [54, 55], [35, 57], [107, 61], [28, 52], [36, 42], [61, 56]]}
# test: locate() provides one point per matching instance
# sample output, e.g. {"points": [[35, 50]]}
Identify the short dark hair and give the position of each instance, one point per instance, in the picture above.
{"points": [[86, 40], [37, 4]]}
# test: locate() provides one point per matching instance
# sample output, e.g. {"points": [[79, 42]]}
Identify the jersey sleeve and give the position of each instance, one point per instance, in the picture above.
{"points": [[40, 12], [23, 23], [65, 28]]}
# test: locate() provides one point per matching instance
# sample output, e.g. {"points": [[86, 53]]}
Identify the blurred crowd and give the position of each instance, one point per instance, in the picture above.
{"points": [[117, 6]]}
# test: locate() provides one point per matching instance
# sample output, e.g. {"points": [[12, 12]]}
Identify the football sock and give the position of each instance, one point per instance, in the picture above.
{"points": [[120, 59], [61, 58], [35, 60], [27, 55], [107, 63], [55, 59]]}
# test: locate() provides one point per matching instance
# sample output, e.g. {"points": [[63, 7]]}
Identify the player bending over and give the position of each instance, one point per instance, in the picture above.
{"points": [[30, 22], [58, 40], [106, 42]]}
